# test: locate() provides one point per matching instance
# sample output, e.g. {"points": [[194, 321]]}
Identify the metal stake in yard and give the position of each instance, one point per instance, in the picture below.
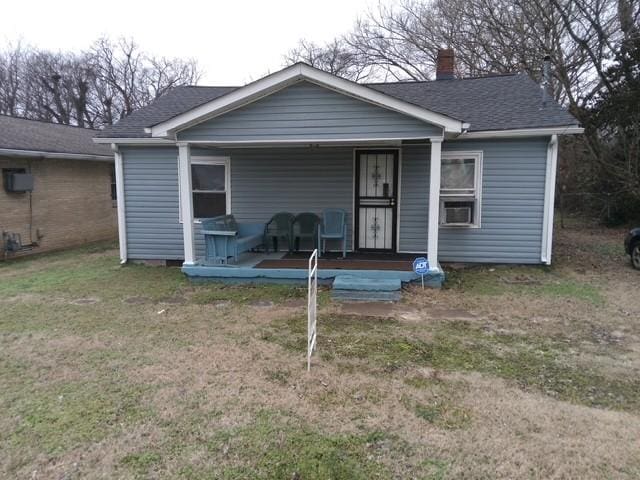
{"points": [[312, 306]]}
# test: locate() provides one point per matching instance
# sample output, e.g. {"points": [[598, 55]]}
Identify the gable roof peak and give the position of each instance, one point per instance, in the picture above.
{"points": [[285, 77]]}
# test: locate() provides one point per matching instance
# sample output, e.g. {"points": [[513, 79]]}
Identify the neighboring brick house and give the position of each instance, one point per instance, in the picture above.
{"points": [[58, 187]]}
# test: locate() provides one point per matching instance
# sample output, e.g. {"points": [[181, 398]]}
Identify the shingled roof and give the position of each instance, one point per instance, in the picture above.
{"points": [[499, 102], [176, 101], [46, 138]]}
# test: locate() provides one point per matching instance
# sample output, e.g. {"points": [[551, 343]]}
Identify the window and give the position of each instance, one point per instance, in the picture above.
{"points": [[460, 189], [209, 187]]}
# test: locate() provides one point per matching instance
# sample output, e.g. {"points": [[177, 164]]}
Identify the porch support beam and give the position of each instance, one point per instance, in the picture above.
{"points": [[434, 204], [186, 202]]}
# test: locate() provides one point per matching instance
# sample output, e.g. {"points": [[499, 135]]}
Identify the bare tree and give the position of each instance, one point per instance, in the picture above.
{"points": [[336, 57], [89, 89], [55, 87], [127, 79], [400, 41], [608, 32], [11, 61]]}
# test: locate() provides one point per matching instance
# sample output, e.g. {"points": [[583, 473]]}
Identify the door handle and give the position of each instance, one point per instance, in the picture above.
{"points": [[392, 202]]}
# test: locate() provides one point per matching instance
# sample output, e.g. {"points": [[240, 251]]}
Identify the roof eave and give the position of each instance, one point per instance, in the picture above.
{"points": [[15, 152], [522, 132], [283, 78], [132, 141]]}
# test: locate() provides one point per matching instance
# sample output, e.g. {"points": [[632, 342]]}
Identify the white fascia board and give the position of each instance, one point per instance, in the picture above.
{"points": [[524, 132], [134, 141], [276, 81], [308, 141], [54, 155]]}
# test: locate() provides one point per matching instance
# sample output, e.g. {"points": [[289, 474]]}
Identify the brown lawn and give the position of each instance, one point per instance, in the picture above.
{"points": [[508, 372]]}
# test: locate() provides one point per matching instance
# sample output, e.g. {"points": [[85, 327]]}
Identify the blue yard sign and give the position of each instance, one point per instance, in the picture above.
{"points": [[421, 267]]}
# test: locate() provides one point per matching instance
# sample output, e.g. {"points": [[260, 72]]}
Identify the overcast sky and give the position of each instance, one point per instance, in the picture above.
{"points": [[234, 41]]}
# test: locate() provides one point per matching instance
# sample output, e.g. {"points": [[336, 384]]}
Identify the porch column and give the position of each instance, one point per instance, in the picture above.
{"points": [[186, 202], [434, 204]]}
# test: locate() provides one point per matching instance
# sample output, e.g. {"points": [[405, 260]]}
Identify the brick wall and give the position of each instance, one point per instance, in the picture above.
{"points": [[71, 204]]}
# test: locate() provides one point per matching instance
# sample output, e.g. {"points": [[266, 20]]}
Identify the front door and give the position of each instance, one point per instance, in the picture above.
{"points": [[376, 199]]}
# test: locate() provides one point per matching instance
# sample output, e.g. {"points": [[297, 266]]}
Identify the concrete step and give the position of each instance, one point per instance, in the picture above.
{"points": [[366, 296], [352, 288], [353, 283]]}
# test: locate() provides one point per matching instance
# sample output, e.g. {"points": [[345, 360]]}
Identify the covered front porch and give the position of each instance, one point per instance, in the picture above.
{"points": [[389, 217]]}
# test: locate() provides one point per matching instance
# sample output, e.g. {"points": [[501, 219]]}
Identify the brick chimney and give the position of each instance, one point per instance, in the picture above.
{"points": [[444, 64]]}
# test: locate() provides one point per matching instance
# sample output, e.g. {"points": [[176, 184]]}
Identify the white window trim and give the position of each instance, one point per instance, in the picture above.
{"points": [[477, 197], [210, 160]]}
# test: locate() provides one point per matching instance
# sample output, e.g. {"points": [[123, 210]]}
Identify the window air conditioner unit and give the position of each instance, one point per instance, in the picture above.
{"points": [[457, 215], [19, 182]]}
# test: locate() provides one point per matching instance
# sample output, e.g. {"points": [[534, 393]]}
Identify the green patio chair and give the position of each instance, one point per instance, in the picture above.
{"points": [[279, 227], [306, 225], [333, 227]]}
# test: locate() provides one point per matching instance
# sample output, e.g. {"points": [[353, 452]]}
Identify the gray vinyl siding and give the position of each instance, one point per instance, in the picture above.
{"points": [[151, 203], [266, 181], [305, 111], [414, 199], [512, 204]]}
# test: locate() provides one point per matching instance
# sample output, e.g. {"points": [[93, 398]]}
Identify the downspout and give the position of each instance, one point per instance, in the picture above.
{"points": [[549, 200], [122, 223]]}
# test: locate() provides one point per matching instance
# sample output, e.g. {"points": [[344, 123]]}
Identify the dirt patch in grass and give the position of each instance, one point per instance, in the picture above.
{"points": [[247, 294], [137, 300], [368, 309], [84, 301]]}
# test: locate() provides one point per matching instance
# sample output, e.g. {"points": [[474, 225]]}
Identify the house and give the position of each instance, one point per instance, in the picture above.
{"points": [[56, 187], [460, 170]]}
